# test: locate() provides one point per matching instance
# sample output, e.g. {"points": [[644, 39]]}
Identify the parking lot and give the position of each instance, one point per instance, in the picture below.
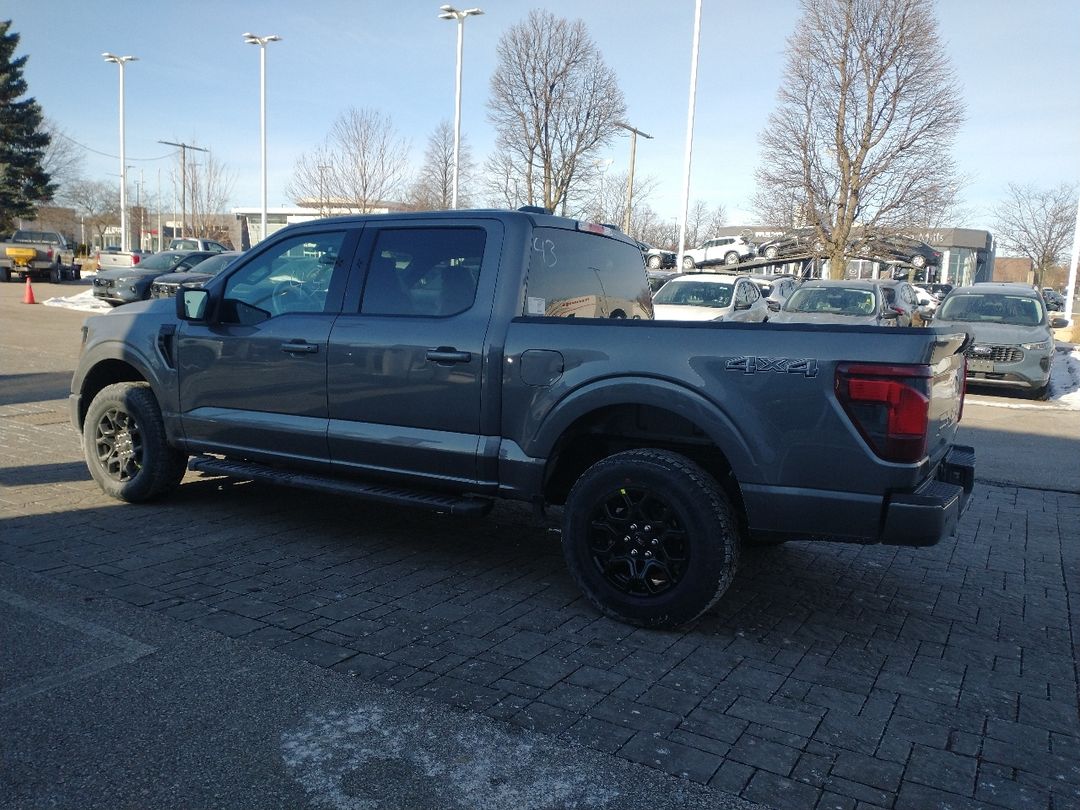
{"points": [[829, 676]]}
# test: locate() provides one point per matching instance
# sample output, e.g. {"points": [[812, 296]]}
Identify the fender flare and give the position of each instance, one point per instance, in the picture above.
{"points": [[120, 351], [666, 395]]}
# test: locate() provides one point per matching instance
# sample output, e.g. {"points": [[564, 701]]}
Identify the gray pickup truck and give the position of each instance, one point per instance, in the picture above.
{"points": [[44, 254], [447, 359]]}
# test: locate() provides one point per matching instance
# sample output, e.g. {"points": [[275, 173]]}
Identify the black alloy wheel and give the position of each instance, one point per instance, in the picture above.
{"points": [[118, 444], [637, 542], [126, 449], [650, 537]]}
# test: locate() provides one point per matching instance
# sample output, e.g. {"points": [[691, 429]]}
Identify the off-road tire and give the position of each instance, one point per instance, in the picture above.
{"points": [[693, 517], [688, 263], [654, 262], [125, 446]]}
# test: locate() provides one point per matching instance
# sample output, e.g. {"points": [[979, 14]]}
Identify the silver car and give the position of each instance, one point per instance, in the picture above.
{"points": [[1013, 344], [860, 303], [710, 297]]}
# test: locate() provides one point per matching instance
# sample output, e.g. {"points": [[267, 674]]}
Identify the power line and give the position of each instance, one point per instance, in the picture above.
{"points": [[106, 154]]}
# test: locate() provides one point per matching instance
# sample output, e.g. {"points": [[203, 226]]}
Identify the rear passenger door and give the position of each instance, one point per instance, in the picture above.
{"points": [[407, 356]]}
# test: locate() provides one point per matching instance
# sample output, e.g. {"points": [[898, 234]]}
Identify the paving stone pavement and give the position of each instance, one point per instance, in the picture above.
{"points": [[830, 676]]}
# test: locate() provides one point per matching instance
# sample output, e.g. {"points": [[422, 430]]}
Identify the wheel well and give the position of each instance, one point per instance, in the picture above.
{"points": [[105, 373], [611, 430]]}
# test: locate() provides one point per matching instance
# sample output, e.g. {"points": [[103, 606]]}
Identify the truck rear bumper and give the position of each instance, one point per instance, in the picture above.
{"points": [[920, 518], [930, 514]]}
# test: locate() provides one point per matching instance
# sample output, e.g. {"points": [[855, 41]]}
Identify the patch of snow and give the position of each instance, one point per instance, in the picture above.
{"points": [[346, 759], [84, 302], [1065, 377]]}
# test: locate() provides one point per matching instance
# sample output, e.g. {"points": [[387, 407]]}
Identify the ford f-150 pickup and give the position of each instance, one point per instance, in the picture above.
{"points": [[434, 360]]}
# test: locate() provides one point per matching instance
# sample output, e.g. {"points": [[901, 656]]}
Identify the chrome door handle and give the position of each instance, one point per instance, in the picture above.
{"points": [[446, 354], [300, 347]]}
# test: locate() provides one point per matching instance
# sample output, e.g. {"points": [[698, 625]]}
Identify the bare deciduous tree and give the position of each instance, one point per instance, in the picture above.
{"points": [[63, 160], [702, 223], [209, 187], [1037, 223], [606, 200], [433, 187], [359, 166], [96, 202], [858, 146], [554, 102]]}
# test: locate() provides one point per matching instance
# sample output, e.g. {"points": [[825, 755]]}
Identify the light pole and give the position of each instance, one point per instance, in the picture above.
{"points": [[121, 61], [251, 39], [685, 205], [630, 177], [451, 13]]}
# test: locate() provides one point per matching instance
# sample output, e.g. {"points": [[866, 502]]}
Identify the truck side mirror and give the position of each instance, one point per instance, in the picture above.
{"points": [[1059, 323], [191, 304]]}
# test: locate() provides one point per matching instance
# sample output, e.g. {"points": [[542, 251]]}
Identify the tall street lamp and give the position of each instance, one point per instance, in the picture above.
{"points": [[689, 151], [251, 39], [630, 177], [121, 61], [451, 13]]}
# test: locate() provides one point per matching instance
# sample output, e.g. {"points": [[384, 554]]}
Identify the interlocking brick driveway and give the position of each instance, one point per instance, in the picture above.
{"points": [[830, 676]]}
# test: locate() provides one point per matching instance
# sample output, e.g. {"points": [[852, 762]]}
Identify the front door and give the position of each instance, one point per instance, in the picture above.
{"points": [[253, 379], [406, 367]]}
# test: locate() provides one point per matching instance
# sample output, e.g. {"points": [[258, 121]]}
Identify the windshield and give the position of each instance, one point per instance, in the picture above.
{"points": [[160, 261], [1018, 310], [214, 265], [695, 294], [833, 300]]}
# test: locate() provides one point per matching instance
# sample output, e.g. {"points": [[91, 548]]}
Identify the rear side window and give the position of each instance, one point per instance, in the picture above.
{"points": [[582, 275], [429, 272]]}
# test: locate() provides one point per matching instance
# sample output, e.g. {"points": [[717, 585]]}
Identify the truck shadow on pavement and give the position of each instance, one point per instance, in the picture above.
{"points": [[826, 668], [17, 389], [43, 474]]}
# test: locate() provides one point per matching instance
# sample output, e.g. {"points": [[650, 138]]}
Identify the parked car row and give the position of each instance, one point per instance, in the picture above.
{"points": [[1011, 338], [126, 284]]}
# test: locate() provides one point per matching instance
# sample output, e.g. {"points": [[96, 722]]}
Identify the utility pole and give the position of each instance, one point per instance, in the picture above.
{"points": [[630, 177], [323, 203], [183, 147]]}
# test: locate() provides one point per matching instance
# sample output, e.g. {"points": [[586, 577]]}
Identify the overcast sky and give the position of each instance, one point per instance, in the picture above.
{"points": [[197, 82]]}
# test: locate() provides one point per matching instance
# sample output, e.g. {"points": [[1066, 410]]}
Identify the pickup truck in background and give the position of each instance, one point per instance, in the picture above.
{"points": [[413, 359], [113, 259], [40, 254]]}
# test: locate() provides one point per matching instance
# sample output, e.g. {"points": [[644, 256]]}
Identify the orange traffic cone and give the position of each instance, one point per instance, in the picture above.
{"points": [[28, 296]]}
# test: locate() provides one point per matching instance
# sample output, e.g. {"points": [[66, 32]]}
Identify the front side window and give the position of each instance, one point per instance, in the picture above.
{"points": [[430, 272], [574, 274], [291, 276]]}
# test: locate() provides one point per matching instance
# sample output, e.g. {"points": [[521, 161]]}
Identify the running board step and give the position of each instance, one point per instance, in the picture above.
{"points": [[464, 506]]}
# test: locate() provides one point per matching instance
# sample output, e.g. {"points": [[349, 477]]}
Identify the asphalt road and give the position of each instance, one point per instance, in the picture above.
{"points": [[243, 646]]}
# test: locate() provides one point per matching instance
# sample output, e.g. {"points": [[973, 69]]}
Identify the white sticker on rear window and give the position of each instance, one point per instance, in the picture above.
{"points": [[535, 306]]}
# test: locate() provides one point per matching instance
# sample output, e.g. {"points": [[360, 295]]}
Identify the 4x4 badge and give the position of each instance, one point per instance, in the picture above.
{"points": [[806, 366]]}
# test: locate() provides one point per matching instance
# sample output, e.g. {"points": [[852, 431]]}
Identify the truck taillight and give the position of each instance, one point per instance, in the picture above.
{"points": [[134, 259], [48, 254], [889, 405]]}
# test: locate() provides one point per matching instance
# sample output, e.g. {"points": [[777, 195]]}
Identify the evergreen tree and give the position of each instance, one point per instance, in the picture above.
{"points": [[23, 140]]}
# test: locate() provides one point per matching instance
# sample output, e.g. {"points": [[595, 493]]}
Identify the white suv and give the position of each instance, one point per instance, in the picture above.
{"points": [[724, 250]]}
